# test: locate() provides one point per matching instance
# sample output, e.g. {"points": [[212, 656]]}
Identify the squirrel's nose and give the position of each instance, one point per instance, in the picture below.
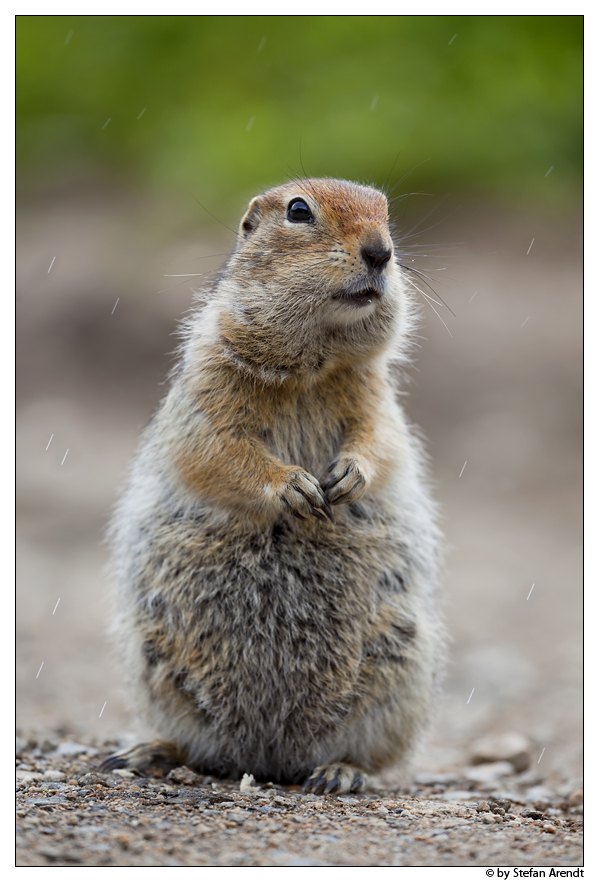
{"points": [[375, 258]]}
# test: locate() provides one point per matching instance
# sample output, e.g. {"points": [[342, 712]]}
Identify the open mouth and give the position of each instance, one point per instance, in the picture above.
{"points": [[358, 299]]}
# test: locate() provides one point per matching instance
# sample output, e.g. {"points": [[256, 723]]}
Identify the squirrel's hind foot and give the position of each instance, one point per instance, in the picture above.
{"points": [[335, 778], [148, 754]]}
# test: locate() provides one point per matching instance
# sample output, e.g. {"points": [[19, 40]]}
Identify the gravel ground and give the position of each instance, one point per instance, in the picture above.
{"points": [[70, 814]]}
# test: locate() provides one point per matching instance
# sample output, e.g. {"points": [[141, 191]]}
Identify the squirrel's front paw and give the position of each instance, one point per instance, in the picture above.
{"points": [[300, 494], [346, 480]]}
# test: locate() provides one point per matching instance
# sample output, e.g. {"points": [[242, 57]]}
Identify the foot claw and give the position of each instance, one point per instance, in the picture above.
{"points": [[113, 762], [358, 783], [163, 754], [333, 786], [307, 785], [335, 779]]}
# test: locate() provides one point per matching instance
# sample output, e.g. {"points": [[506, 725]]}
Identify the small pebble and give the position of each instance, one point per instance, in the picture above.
{"points": [[54, 775], [91, 778], [509, 747], [485, 773], [443, 778], [72, 748], [539, 792], [183, 775], [504, 804], [465, 796], [248, 784], [25, 775]]}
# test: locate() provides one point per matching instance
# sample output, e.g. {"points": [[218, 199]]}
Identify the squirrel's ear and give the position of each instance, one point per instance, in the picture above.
{"points": [[251, 218]]}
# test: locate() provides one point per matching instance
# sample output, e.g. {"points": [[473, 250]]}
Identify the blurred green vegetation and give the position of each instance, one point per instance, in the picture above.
{"points": [[225, 105]]}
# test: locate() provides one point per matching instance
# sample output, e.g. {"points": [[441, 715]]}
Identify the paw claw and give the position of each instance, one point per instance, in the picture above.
{"points": [[346, 482], [295, 514], [302, 496], [328, 511]]}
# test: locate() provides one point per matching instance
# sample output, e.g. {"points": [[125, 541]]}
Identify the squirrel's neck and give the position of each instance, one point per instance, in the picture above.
{"points": [[274, 354]]}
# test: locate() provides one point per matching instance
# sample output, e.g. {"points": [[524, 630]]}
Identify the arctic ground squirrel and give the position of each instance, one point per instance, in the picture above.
{"points": [[275, 553]]}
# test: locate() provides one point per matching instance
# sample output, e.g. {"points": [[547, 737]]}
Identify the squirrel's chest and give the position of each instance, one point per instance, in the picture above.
{"points": [[307, 431]]}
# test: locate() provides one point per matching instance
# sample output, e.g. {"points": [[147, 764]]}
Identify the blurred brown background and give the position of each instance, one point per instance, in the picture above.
{"points": [[497, 393]]}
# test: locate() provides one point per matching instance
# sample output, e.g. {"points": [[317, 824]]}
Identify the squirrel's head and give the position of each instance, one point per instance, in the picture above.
{"points": [[315, 268]]}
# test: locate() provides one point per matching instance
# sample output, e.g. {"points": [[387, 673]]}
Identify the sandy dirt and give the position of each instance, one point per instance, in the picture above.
{"points": [[500, 403]]}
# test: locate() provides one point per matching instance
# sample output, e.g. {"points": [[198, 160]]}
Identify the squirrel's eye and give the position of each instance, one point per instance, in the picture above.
{"points": [[298, 212]]}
